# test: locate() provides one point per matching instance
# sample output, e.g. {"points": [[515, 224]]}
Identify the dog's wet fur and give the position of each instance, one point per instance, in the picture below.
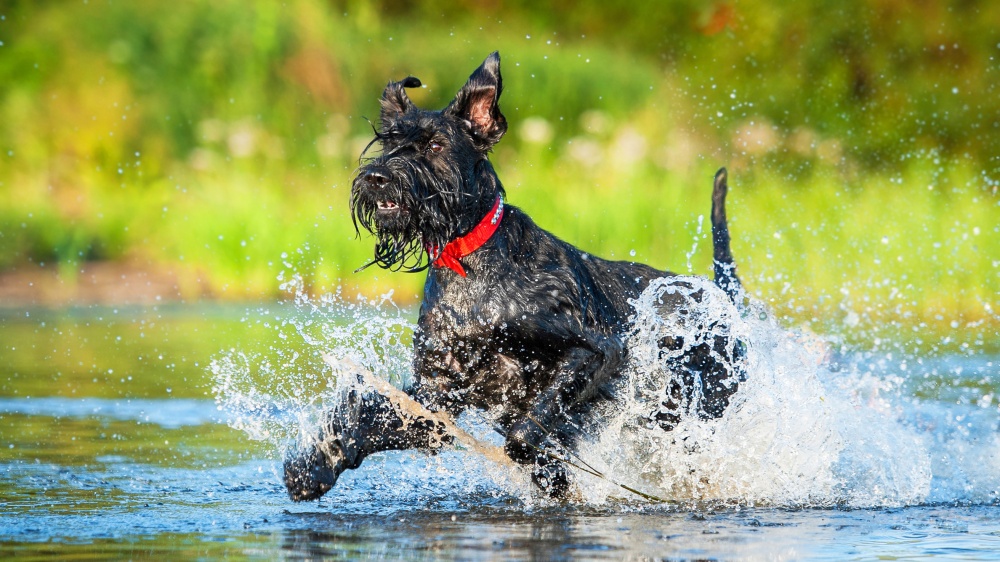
{"points": [[532, 334]]}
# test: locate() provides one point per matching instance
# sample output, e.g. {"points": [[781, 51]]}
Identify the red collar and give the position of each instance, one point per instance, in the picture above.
{"points": [[465, 245]]}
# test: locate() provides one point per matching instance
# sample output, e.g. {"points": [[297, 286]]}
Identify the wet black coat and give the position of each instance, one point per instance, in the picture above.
{"points": [[532, 335]]}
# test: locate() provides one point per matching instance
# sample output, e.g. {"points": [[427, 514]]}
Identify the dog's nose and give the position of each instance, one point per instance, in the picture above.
{"points": [[376, 178]]}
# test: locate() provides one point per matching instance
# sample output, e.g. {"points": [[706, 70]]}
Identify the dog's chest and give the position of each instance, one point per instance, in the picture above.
{"points": [[472, 352]]}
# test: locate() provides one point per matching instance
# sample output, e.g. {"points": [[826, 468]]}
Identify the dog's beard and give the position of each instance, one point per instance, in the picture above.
{"points": [[398, 244], [411, 226], [397, 254]]}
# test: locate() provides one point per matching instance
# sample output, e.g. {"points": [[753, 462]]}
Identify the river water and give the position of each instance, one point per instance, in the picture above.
{"points": [[134, 432]]}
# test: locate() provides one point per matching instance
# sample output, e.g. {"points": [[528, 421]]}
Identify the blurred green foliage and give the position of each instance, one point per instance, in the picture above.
{"points": [[219, 137]]}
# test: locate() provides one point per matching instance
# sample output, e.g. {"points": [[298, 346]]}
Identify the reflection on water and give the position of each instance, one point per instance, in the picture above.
{"points": [[111, 444]]}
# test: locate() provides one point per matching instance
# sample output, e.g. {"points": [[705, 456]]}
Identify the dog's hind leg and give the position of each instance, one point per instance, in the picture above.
{"points": [[725, 267]]}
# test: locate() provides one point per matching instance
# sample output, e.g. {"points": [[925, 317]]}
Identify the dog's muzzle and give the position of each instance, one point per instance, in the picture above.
{"points": [[375, 184]]}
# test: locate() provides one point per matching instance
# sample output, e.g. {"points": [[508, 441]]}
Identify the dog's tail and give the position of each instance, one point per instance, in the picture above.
{"points": [[725, 267]]}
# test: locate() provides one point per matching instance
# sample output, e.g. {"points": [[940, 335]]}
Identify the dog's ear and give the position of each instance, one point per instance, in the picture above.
{"points": [[394, 100], [478, 103]]}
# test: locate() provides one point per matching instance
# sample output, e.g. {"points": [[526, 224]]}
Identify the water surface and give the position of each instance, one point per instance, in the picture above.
{"points": [[112, 443]]}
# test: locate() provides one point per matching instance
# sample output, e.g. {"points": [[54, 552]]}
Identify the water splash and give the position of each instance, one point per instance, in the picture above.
{"points": [[796, 433], [808, 426], [277, 395]]}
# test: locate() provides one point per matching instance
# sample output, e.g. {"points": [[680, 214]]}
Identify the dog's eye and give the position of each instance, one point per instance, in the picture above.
{"points": [[435, 147]]}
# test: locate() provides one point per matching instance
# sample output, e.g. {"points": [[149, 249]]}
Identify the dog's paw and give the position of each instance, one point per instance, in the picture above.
{"points": [[552, 478], [309, 473], [525, 442]]}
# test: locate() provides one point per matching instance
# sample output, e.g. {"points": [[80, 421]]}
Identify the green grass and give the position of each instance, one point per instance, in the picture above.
{"points": [[219, 139]]}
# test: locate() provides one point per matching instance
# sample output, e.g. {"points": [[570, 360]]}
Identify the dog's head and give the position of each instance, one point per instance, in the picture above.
{"points": [[431, 181]]}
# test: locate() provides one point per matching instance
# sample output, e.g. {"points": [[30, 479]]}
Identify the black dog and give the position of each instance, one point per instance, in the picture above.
{"points": [[514, 322]]}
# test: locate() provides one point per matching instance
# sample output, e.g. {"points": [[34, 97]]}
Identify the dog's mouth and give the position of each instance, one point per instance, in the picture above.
{"points": [[387, 205]]}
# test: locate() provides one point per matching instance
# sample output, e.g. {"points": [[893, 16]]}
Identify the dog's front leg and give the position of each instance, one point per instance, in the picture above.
{"points": [[544, 435], [363, 422]]}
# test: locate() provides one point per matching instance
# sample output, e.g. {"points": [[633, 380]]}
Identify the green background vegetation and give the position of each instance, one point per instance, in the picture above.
{"points": [[218, 139]]}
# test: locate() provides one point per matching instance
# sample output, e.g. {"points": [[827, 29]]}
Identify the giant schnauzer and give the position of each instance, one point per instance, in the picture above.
{"points": [[515, 322]]}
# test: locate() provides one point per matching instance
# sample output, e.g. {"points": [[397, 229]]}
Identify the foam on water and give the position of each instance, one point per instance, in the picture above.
{"points": [[806, 428]]}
